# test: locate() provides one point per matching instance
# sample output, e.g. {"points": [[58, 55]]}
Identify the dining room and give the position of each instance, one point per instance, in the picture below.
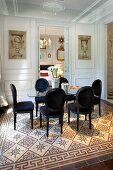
{"points": [[83, 48]]}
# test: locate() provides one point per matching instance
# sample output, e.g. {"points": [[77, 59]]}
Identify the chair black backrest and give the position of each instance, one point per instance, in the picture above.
{"points": [[62, 80], [41, 85], [97, 87], [84, 97], [55, 99], [14, 94]]}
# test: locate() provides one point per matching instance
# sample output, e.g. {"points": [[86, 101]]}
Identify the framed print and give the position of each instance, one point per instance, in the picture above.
{"points": [[60, 53], [84, 47], [17, 44]]}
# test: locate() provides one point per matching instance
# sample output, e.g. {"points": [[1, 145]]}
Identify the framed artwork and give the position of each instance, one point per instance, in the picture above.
{"points": [[84, 47], [60, 53], [17, 44]]}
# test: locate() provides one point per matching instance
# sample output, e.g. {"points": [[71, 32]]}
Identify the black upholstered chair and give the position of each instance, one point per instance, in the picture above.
{"points": [[41, 85], [21, 107], [83, 104], [69, 97], [97, 88], [54, 106]]}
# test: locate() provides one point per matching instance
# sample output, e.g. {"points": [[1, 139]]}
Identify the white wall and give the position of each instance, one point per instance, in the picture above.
{"points": [[84, 72], [23, 72]]}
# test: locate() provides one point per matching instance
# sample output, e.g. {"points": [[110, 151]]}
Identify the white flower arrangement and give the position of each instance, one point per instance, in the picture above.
{"points": [[54, 71]]}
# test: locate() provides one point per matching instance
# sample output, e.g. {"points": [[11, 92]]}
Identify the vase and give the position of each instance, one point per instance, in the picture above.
{"points": [[55, 82]]}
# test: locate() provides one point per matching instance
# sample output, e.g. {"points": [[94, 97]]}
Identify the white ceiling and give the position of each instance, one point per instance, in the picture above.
{"points": [[57, 10]]}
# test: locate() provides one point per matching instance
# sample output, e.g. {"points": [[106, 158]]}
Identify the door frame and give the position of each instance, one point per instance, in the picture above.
{"points": [[66, 47]]}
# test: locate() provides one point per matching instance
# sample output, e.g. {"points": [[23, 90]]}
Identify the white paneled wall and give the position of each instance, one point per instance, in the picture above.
{"points": [[83, 70], [21, 72]]}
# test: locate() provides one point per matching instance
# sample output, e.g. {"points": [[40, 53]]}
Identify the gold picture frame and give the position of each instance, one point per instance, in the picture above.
{"points": [[60, 53], [84, 47], [17, 44]]}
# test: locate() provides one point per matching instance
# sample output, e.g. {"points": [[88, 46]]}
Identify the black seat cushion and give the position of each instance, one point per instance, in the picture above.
{"points": [[73, 108], [70, 97], [43, 110], [24, 106], [40, 99]]}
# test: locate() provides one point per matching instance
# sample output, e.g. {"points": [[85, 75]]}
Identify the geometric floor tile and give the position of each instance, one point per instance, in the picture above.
{"points": [[15, 152], [6, 145], [37, 133], [28, 156], [27, 141], [40, 147], [51, 138], [62, 143], [83, 139], [26, 148], [16, 137], [100, 135]]}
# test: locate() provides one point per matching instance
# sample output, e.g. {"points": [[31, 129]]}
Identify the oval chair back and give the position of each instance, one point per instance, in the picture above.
{"points": [[14, 95], [97, 89], [41, 85], [83, 104], [84, 97], [54, 106], [55, 99]]}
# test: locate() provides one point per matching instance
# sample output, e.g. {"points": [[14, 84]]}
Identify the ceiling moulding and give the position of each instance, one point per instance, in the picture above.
{"points": [[99, 13], [3, 8], [15, 5], [76, 19], [52, 22]]}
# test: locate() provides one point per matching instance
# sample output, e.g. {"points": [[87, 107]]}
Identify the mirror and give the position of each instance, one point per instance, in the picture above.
{"points": [[60, 53]]}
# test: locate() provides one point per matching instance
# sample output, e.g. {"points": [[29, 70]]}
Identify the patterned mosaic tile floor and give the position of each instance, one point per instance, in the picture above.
{"points": [[29, 149]]}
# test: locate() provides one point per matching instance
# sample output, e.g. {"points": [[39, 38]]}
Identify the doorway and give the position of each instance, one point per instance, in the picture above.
{"points": [[110, 61], [52, 51]]}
